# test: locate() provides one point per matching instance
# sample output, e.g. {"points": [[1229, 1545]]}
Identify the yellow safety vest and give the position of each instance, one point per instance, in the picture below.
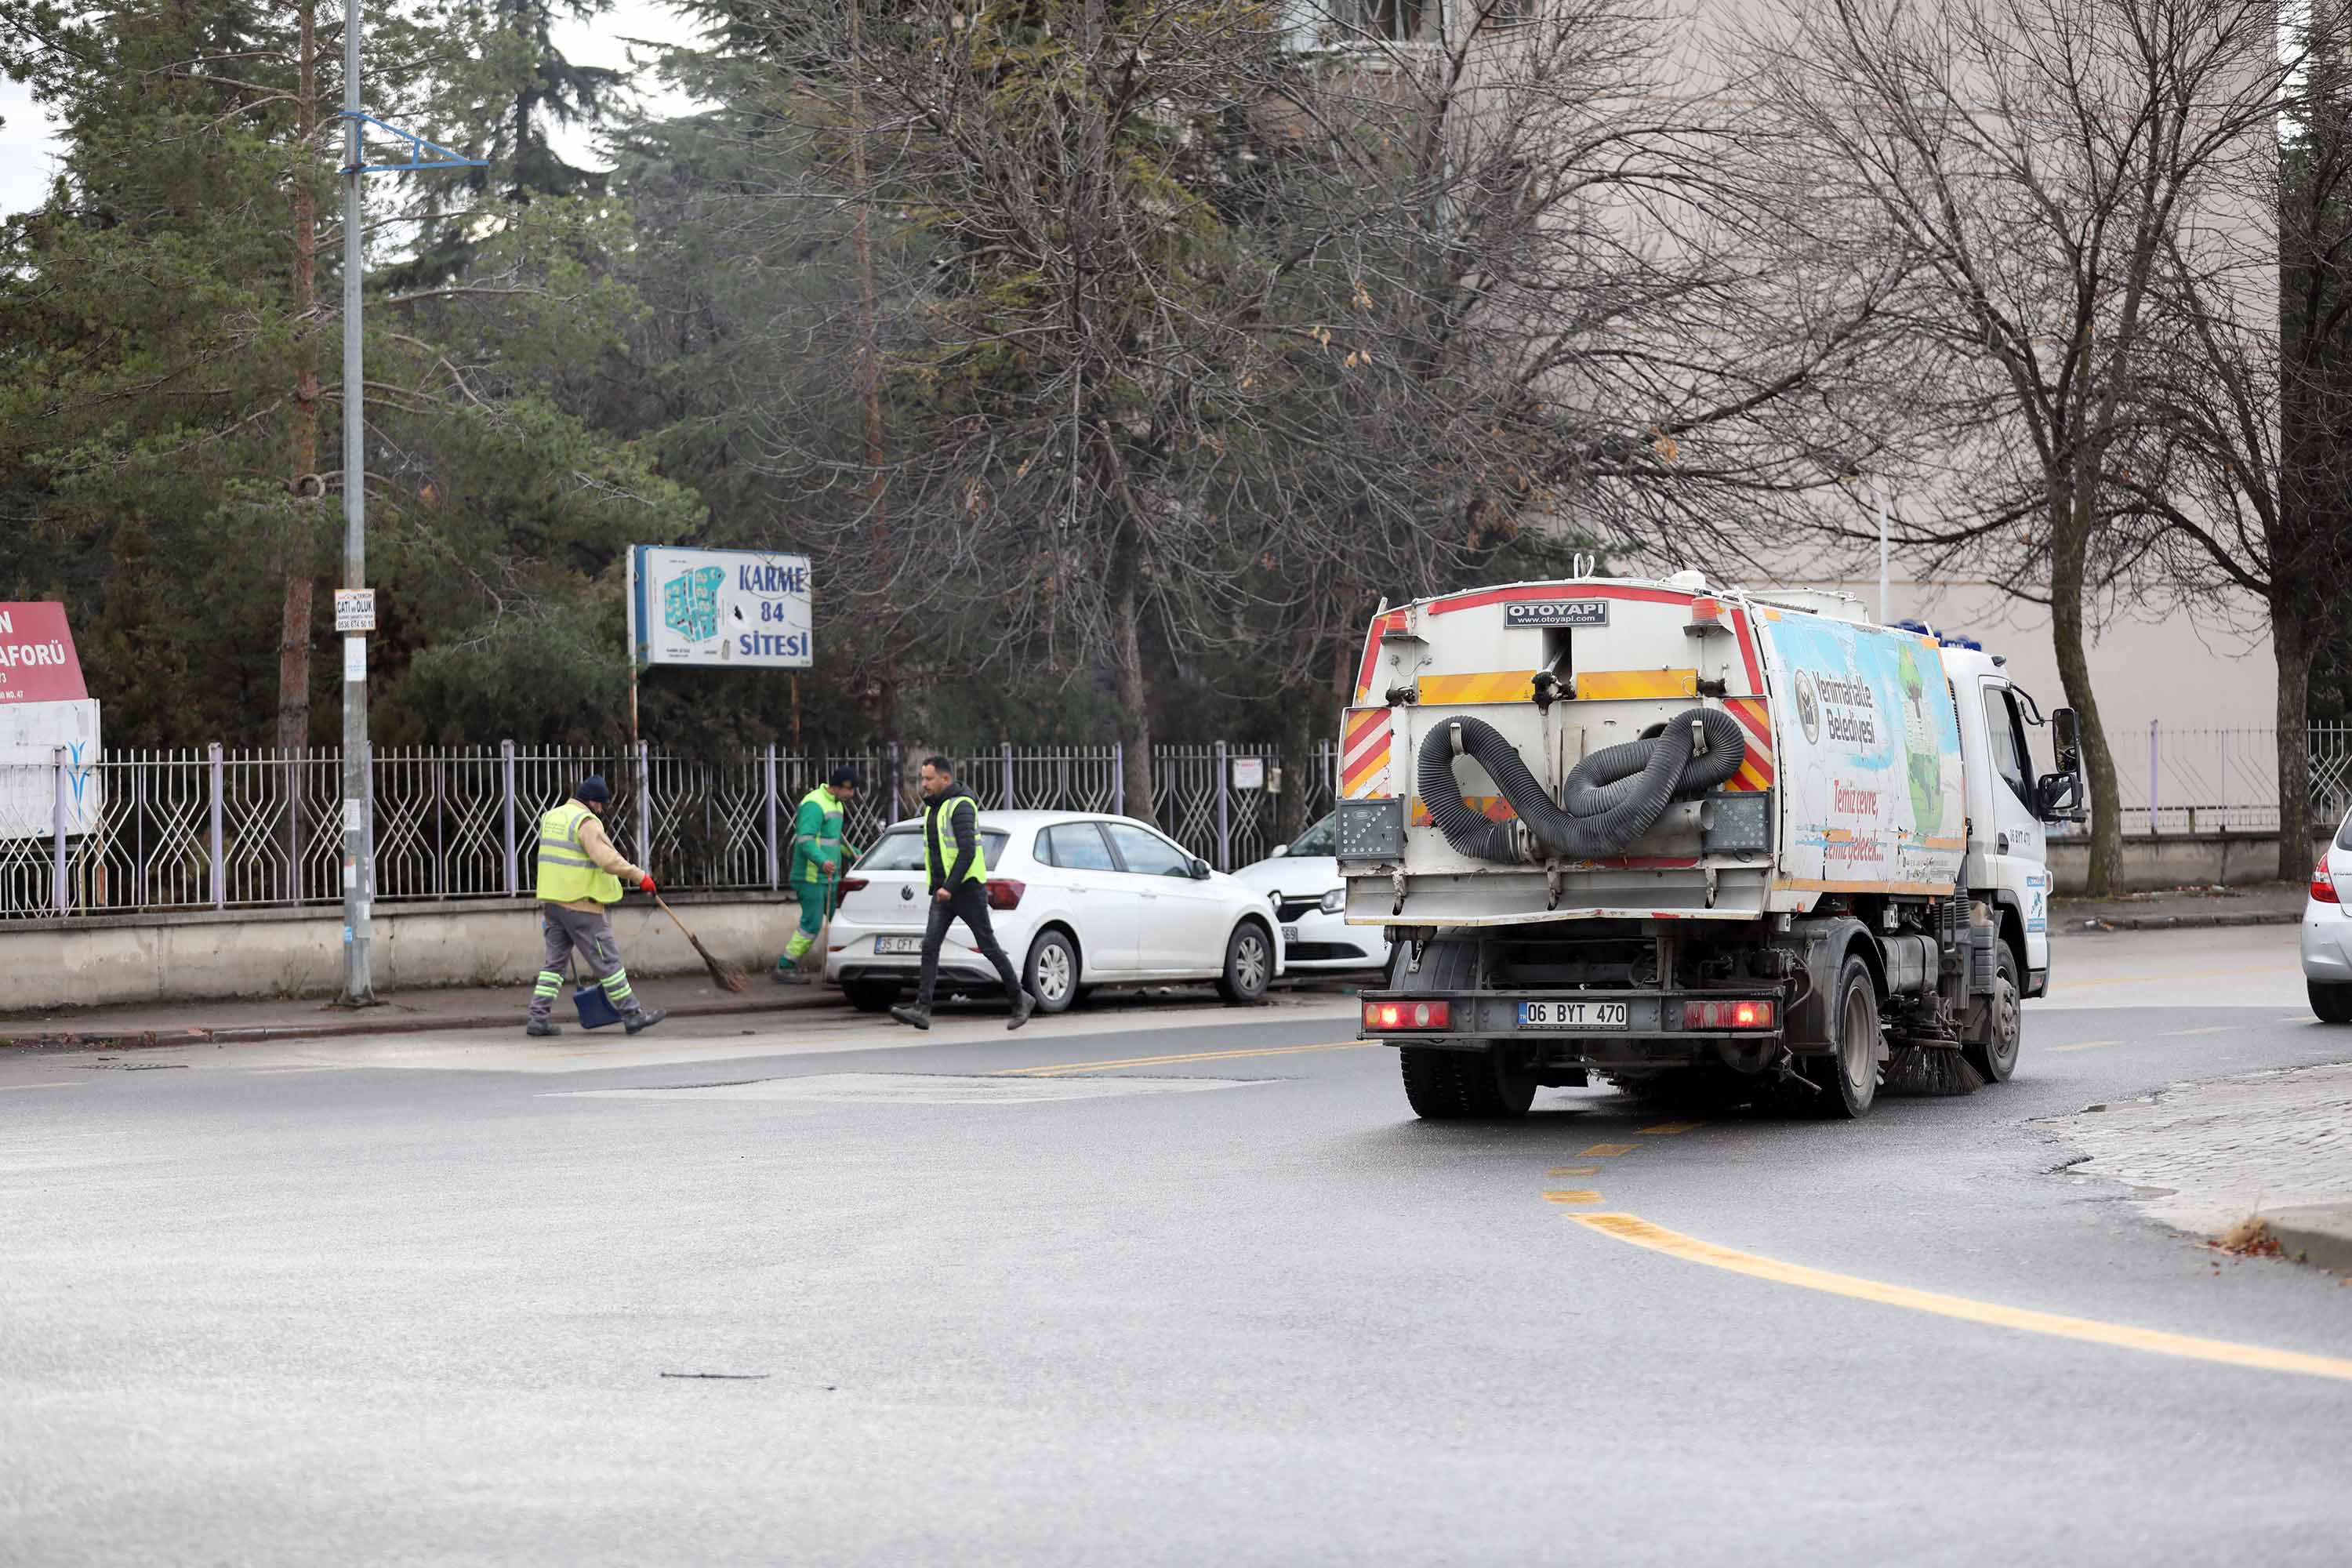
{"points": [[939, 830], [566, 875]]}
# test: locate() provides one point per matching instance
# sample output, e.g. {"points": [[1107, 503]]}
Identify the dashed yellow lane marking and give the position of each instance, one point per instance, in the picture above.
{"points": [[62, 1083], [1052, 1068], [1606, 1151], [1668, 1129], [1574, 1195], [2216, 1029], [2154, 1341], [1573, 1171], [2084, 1046]]}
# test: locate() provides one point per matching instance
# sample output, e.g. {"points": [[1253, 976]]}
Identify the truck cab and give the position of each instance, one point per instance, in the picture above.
{"points": [[1672, 831]]}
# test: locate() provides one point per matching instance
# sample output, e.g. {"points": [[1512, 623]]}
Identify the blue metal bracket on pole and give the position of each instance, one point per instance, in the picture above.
{"points": [[417, 144]]}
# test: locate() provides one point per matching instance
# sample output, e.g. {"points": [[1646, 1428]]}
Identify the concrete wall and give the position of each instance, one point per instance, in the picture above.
{"points": [[299, 953], [2178, 860]]}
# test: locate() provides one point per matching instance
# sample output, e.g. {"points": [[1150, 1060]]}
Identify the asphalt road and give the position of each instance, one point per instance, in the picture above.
{"points": [[1203, 1291]]}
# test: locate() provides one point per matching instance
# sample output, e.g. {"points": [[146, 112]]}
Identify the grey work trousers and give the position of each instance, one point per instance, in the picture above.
{"points": [[570, 931]]}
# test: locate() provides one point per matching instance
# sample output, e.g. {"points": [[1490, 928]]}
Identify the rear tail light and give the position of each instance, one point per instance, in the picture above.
{"points": [[1744, 1014], [853, 885], [1383, 1016], [2323, 887], [1005, 893]]}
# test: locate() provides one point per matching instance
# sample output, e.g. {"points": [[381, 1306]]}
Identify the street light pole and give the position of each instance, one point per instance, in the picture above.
{"points": [[359, 795], [359, 816]]}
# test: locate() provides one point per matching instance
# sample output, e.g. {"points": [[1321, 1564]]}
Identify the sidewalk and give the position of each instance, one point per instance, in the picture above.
{"points": [[415, 1012], [2255, 904], [2206, 1157]]}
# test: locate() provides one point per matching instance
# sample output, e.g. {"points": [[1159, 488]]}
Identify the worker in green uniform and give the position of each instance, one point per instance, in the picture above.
{"points": [[819, 852]]}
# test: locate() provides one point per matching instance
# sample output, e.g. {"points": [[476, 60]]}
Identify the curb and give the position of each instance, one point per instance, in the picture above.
{"points": [[2181, 922], [2320, 1235], [140, 1039]]}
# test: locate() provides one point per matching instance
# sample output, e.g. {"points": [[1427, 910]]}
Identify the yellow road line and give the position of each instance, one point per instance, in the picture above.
{"points": [[2086, 1046], [2216, 1029], [1576, 1195], [1606, 1151], [62, 1083], [1668, 1129], [1052, 1068], [1573, 1171], [2185, 974], [2155, 1341]]}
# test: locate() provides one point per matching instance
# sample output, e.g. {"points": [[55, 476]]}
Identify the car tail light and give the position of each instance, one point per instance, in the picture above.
{"points": [[1744, 1013], [1379, 1015], [1005, 893], [2323, 887], [853, 885]]}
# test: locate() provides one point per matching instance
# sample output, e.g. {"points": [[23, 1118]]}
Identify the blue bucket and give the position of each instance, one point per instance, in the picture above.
{"points": [[596, 1009]]}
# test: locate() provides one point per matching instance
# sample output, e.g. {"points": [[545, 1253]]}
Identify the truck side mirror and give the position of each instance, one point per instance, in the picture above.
{"points": [[2068, 733], [2058, 797]]}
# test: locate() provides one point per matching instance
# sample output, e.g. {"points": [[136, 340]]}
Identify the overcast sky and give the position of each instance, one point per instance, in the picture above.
{"points": [[29, 139]]}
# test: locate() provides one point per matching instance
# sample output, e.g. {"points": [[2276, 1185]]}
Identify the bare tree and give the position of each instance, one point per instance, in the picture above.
{"points": [[2045, 166], [1203, 332]]}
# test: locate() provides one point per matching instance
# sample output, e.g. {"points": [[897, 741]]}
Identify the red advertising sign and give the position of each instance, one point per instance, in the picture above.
{"points": [[37, 656]]}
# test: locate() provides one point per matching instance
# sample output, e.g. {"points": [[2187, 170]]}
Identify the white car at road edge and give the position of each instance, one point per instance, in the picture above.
{"points": [[2327, 932], [1077, 899], [1300, 882]]}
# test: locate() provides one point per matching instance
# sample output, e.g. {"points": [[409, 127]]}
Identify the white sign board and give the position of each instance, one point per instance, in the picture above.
{"points": [[355, 609], [30, 734], [1249, 772], [718, 608]]}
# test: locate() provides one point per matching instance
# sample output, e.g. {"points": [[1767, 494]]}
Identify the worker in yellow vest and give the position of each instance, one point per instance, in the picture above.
{"points": [[580, 876], [956, 869]]}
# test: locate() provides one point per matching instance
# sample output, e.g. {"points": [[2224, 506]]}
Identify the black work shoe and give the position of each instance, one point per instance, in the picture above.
{"points": [[643, 1019], [917, 1017], [540, 1031], [790, 975], [1022, 1007]]}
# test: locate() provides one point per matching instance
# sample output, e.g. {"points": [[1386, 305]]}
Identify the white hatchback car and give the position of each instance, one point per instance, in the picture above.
{"points": [[1078, 900], [2327, 933], [1300, 882]]}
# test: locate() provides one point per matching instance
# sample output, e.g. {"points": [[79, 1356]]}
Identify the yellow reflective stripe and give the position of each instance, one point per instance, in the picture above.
{"points": [[1492, 686], [1622, 685]]}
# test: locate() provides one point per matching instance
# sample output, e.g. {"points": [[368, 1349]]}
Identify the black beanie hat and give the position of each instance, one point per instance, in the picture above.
{"points": [[593, 788]]}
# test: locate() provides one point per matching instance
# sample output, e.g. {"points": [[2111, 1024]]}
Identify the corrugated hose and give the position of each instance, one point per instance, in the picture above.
{"points": [[1613, 796]]}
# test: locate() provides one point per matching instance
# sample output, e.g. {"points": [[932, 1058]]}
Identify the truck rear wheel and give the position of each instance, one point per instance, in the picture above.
{"points": [[1848, 1076], [1995, 1055], [1464, 1086]]}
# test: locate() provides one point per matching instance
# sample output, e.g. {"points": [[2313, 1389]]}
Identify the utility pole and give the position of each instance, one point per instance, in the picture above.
{"points": [[359, 800], [359, 804]]}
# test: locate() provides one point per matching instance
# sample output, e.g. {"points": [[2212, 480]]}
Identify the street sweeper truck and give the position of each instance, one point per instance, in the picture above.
{"points": [[1703, 841]]}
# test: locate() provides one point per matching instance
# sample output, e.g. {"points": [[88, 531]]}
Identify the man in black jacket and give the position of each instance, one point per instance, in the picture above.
{"points": [[958, 882]]}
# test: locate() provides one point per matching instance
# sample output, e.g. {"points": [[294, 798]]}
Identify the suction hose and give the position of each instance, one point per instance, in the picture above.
{"points": [[1613, 796]]}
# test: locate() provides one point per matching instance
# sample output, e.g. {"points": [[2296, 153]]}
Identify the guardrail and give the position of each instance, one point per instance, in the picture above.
{"points": [[160, 831]]}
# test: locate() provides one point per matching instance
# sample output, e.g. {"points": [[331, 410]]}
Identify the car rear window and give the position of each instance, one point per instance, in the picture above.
{"points": [[2344, 834], [901, 849]]}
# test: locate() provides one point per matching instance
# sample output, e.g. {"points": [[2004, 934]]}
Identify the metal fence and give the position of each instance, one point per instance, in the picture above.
{"points": [[158, 831], [2211, 781]]}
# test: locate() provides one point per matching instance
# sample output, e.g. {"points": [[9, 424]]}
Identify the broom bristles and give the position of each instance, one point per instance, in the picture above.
{"points": [[727, 977]]}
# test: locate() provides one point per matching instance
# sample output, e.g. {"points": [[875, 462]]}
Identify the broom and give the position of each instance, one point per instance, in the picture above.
{"points": [[725, 976]]}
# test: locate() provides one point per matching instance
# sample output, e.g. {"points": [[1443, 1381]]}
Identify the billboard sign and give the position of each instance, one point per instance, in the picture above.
{"points": [[37, 656], [720, 607], [31, 734]]}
